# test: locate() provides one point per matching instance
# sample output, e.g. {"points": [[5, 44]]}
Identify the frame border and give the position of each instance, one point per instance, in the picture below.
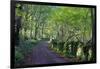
{"points": [[12, 33]]}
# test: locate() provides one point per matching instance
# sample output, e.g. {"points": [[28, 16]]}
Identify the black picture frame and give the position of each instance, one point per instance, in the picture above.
{"points": [[12, 42]]}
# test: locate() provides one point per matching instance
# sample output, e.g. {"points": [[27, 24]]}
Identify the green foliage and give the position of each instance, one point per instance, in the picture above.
{"points": [[24, 48], [18, 56], [65, 24]]}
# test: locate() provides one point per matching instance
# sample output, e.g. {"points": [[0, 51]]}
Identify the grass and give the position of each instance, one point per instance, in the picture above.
{"points": [[23, 49]]}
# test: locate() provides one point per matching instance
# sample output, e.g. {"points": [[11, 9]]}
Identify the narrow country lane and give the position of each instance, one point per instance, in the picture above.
{"points": [[43, 55]]}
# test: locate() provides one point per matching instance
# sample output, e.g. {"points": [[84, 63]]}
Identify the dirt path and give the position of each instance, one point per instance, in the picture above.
{"points": [[43, 55]]}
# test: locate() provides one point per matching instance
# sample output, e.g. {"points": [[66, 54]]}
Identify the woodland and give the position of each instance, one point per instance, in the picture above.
{"points": [[67, 30]]}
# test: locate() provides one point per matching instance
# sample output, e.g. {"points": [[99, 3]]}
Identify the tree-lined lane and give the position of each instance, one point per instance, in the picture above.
{"points": [[43, 55]]}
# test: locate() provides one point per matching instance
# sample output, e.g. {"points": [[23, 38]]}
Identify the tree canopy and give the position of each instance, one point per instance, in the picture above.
{"points": [[65, 24]]}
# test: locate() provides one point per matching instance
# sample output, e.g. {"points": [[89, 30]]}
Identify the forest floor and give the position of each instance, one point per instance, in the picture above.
{"points": [[41, 54]]}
